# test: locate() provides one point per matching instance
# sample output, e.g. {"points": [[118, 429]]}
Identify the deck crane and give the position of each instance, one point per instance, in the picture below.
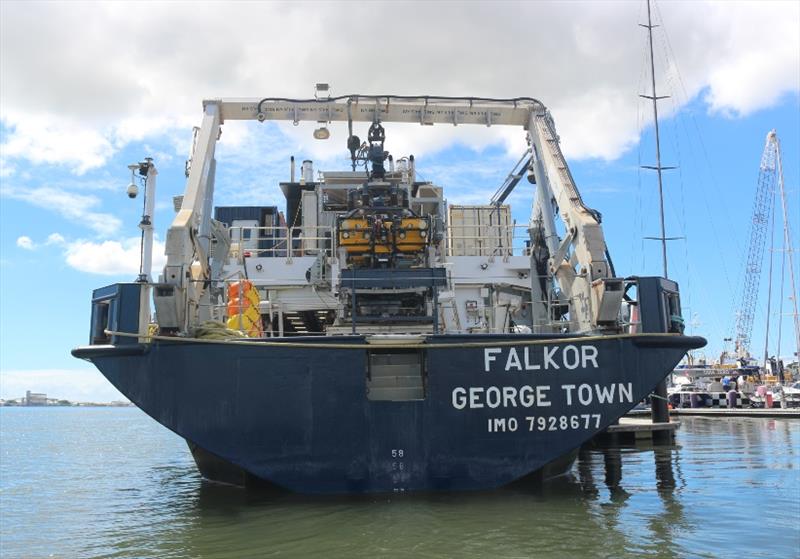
{"points": [[762, 211], [577, 263]]}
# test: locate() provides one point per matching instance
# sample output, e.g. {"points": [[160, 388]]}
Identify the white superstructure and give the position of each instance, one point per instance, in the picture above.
{"points": [[462, 269]]}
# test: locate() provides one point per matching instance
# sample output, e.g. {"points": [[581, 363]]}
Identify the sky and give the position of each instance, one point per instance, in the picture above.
{"points": [[88, 88]]}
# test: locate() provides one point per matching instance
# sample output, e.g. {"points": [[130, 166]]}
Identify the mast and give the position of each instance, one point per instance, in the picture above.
{"points": [[658, 168], [659, 411], [769, 285], [777, 172], [787, 242], [780, 299]]}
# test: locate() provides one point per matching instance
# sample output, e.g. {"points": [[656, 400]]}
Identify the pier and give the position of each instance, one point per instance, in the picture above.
{"points": [[787, 413], [638, 425], [632, 429]]}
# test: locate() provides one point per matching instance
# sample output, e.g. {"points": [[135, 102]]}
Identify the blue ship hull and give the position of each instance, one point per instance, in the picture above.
{"points": [[495, 408]]}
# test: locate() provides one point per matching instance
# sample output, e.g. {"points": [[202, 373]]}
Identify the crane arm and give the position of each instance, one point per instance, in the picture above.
{"points": [[182, 287], [384, 108], [582, 275]]}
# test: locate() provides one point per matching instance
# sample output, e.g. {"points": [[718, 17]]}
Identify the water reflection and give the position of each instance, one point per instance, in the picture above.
{"points": [[583, 466], [102, 496], [569, 515], [612, 459], [503, 523], [672, 520], [619, 501]]}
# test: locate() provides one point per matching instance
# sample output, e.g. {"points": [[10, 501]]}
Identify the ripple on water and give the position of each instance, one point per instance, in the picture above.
{"points": [[112, 483]]}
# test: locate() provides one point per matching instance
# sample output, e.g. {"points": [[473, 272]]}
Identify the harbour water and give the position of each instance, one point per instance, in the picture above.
{"points": [[110, 482]]}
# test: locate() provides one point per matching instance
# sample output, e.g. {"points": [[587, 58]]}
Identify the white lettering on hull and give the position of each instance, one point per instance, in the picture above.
{"points": [[551, 358], [586, 394], [513, 360], [527, 396], [568, 359]]}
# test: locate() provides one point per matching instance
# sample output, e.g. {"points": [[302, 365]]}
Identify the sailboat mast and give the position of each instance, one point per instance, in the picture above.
{"points": [[658, 167], [787, 239], [769, 283], [780, 299], [658, 403]]}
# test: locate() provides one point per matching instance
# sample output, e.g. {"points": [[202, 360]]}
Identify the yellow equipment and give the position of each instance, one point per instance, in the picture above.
{"points": [[359, 236], [243, 314]]}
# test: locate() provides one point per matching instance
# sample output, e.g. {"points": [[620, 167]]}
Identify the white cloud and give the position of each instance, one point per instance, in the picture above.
{"points": [[6, 169], [43, 138], [77, 385], [149, 69], [25, 242], [55, 239], [108, 258], [112, 258], [161, 157], [74, 207], [757, 60]]}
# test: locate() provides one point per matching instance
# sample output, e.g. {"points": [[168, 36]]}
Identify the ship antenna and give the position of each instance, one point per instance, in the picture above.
{"points": [[658, 168]]}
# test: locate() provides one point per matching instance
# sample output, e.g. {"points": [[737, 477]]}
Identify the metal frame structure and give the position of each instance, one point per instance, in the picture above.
{"points": [[760, 220], [577, 268]]}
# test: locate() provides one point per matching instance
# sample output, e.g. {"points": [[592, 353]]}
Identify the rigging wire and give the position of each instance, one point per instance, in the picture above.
{"points": [[639, 220], [780, 306], [773, 217], [681, 118], [680, 210], [672, 56]]}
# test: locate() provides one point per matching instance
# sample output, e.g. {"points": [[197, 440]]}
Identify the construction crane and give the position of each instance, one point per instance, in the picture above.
{"points": [[787, 251], [762, 212]]}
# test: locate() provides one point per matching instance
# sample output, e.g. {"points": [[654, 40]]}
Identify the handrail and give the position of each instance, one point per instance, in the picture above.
{"points": [[459, 240], [284, 241]]}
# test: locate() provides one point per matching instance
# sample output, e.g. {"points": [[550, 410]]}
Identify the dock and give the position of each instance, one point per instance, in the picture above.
{"points": [[789, 413], [638, 428], [774, 413]]}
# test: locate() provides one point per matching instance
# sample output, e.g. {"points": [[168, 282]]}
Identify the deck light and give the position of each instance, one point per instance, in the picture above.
{"points": [[322, 133]]}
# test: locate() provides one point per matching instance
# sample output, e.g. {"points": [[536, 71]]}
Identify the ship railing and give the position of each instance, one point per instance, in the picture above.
{"points": [[490, 240], [289, 242], [218, 307], [274, 314], [281, 242]]}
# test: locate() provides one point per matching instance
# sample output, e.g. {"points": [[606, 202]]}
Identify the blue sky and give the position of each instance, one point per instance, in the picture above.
{"points": [[66, 138]]}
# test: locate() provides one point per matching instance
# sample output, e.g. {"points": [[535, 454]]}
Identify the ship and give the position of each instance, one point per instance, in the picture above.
{"points": [[370, 337]]}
